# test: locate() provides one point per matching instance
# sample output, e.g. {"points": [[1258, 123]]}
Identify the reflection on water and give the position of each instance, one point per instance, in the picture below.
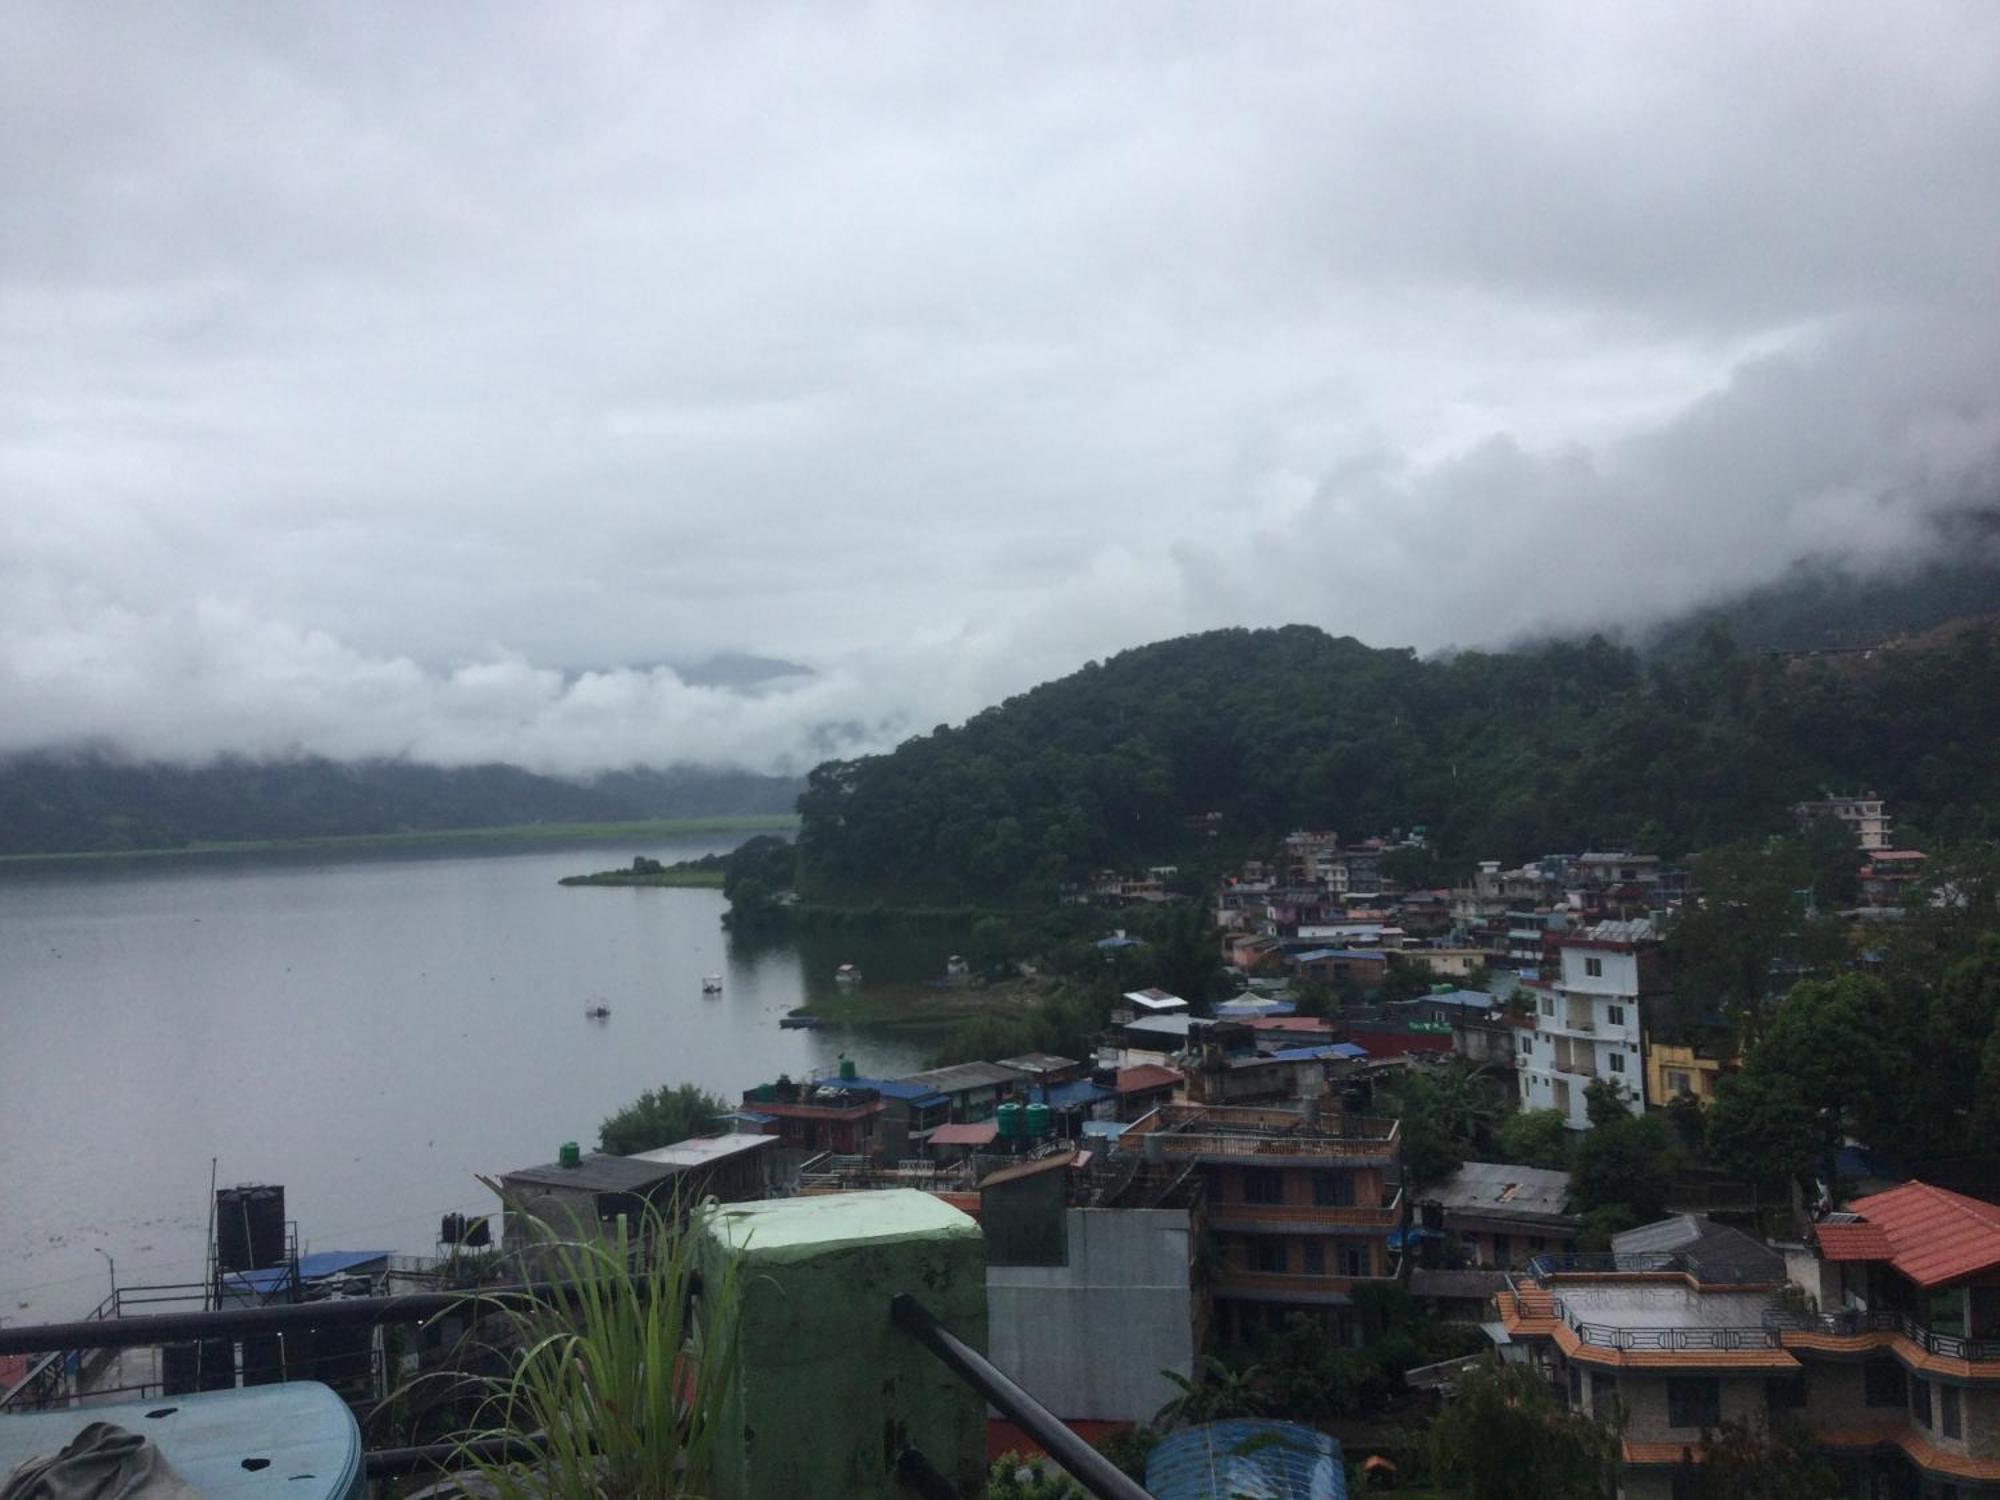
{"points": [[372, 1033]]}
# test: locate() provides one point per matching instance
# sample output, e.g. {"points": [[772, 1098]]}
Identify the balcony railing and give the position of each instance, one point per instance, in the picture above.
{"points": [[1306, 1216], [1289, 1286], [1854, 1323], [1666, 1340]]}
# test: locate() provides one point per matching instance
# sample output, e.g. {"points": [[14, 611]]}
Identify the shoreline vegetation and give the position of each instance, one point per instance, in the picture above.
{"points": [[420, 838], [687, 873]]}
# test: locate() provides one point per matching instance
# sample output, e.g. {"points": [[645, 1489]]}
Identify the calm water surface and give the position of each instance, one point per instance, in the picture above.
{"points": [[372, 1033]]}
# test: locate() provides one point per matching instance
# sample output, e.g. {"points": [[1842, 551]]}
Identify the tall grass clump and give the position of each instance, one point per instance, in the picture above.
{"points": [[618, 1379]]}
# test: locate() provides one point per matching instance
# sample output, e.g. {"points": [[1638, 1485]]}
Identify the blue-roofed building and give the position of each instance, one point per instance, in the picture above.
{"points": [[912, 1110], [1247, 1459], [274, 1283], [1075, 1102]]}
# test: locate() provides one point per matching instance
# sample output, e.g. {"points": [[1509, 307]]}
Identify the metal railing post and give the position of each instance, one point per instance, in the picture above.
{"points": [[1082, 1462]]}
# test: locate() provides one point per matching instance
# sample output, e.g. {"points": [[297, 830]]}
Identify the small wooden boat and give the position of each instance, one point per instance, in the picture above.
{"points": [[847, 974], [801, 1023], [711, 984], [597, 1012]]}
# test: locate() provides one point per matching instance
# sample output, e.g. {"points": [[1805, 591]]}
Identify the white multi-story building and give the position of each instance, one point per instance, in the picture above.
{"points": [[1587, 1023], [1865, 817]]}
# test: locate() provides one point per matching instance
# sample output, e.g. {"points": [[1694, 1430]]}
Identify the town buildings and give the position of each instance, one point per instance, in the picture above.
{"points": [[1884, 1341]]}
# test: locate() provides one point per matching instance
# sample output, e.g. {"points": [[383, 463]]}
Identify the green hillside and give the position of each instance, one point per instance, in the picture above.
{"points": [[1566, 746]]}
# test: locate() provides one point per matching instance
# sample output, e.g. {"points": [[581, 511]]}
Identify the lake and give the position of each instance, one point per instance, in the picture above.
{"points": [[372, 1032]]}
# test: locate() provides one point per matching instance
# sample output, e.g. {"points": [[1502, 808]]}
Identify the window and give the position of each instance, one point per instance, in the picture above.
{"points": [[1575, 1385], [1354, 1261], [1315, 1258], [1785, 1392], [1694, 1401], [1617, 1062], [1503, 1252], [1882, 1383], [1548, 1006], [1678, 1084], [1614, 1015], [1920, 1401], [1267, 1254], [1527, 1045], [1333, 1190], [1263, 1185], [1953, 1424], [1594, 967]]}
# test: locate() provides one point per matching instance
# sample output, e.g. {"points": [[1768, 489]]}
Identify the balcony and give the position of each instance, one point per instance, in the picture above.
{"points": [[1302, 1218], [1867, 1329], [1223, 1133], [1291, 1286]]}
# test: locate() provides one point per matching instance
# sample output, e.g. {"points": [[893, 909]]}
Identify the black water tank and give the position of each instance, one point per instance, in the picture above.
{"points": [[263, 1359], [452, 1230], [249, 1228], [207, 1366], [478, 1232]]}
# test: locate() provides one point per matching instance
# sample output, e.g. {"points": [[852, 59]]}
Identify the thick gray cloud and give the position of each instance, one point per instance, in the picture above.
{"points": [[387, 379]]}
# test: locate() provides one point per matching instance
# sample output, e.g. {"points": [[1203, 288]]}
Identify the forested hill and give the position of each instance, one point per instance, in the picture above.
{"points": [[64, 804], [1566, 746]]}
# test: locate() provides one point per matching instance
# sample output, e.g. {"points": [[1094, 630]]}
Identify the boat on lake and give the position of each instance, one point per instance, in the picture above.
{"points": [[597, 1012], [847, 974], [801, 1023], [711, 984]]}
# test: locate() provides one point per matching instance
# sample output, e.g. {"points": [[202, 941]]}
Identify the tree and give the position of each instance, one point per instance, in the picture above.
{"points": [[1740, 1463], [1761, 1129], [1628, 1163], [1604, 1102], [1503, 1437], [1216, 1393], [1534, 1138], [659, 1117]]}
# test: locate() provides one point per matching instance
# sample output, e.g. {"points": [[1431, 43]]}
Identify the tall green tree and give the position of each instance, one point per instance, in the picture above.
{"points": [[659, 1117], [1782, 1462], [1502, 1436], [1625, 1163]]}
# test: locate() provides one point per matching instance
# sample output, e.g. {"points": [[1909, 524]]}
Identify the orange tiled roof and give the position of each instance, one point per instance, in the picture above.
{"points": [[1921, 1450], [1912, 1355], [1854, 1242], [1936, 1237], [1144, 1077]]}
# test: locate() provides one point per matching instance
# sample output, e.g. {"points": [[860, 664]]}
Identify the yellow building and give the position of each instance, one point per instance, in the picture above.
{"points": [[1672, 1071]]}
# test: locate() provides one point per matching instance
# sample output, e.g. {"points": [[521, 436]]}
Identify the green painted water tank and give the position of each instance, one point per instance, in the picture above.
{"points": [[1007, 1118], [569, 1155], [847, 1067], [1039, 1120]]}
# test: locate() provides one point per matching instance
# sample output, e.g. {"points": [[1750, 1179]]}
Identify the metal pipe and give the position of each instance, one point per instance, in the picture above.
{"points": [[1085, 1464], [337, 1312]]}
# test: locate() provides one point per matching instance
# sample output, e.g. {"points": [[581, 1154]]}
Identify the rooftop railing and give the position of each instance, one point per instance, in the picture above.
{"points": [[60, 1341]]}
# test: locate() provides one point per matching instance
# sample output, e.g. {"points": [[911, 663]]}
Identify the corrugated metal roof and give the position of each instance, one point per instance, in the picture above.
{"points": [[1146, 1076], [1245, 1457], [978, 1133], [1498, 1187], [1937, 1236], [963, 1076]]}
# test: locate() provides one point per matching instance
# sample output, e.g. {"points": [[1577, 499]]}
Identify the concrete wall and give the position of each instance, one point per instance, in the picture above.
{"points": [[1089, 1339]]}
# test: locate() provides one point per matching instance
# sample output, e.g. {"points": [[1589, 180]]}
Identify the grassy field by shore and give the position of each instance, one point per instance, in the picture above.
{"points": [[677, 876], [921, 1007], [520, 833]]}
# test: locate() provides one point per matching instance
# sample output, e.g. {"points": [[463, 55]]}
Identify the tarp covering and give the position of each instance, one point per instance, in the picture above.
{"points": [[1247, 1460]]}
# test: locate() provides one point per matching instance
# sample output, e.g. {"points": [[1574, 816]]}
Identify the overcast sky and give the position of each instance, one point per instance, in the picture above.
{"points": [[424, 379]]}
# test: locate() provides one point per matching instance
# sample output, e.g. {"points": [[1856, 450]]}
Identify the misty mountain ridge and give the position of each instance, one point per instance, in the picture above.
{"points": [[96, 802]]}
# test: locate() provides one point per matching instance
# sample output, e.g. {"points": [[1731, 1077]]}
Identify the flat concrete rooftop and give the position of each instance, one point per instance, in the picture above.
{"points": [[1660, 1304]]}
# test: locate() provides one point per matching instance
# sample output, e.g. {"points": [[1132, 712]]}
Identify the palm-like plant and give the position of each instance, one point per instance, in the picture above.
{"points": [[620, 1380], [1216, 1393]]}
